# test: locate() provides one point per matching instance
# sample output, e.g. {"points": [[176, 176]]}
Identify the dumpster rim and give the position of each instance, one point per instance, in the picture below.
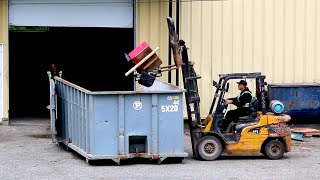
{"points": [[72, 85], [178, 89], [289, 85]]}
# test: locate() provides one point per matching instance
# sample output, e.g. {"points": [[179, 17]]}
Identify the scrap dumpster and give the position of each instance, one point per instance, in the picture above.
{"points": [[301, 101], [118, 124]]}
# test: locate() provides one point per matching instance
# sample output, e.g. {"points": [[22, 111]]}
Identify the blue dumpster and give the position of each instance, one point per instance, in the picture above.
{"points": [[301, 100], [118, 125]]}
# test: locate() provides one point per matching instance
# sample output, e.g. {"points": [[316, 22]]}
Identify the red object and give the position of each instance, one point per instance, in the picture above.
{"points": [[53, 68], [139, 53]]}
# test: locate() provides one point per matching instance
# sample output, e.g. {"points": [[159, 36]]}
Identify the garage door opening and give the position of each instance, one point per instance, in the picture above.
{"points": [[90, 57]]}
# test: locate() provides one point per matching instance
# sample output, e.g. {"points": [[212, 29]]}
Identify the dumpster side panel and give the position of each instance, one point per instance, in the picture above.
{"points": [[62, 110], [138, 121], [170, 125], [302, 103], [113, 125], [73, 114], [106, 115]]}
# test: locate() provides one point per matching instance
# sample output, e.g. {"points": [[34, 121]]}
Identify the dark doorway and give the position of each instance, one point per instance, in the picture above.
{"points": [[89, 57]]}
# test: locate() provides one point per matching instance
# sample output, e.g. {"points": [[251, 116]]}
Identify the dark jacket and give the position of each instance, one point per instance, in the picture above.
{"points": [[53, 74], [243, 98]]}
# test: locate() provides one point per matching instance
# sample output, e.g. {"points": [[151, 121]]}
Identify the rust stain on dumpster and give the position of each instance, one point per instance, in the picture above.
{"points": [[294, 104]]}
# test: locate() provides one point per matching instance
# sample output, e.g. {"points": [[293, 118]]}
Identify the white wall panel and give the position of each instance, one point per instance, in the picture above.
{"points": [[280, 38], [70, 13]]}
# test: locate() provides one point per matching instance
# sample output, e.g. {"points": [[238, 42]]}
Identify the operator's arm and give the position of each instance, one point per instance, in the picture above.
{"points": [[233, 99], [245, 98], [229, 100]]}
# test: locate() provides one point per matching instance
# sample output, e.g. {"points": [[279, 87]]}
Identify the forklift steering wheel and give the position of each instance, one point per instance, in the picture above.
{"points": [[223, 102], [223, 106]]}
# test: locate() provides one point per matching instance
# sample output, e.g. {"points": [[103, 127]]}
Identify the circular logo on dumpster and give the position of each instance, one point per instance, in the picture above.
{"points": [[137, 105]]}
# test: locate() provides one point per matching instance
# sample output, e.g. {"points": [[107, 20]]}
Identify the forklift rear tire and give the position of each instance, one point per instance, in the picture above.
{"points": [[274, 150], [209, 148]]}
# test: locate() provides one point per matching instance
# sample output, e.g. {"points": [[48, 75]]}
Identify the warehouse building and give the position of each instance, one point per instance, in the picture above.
{"points": [[87, 40]]}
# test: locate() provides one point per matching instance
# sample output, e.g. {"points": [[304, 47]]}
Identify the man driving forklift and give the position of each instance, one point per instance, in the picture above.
{"points": [[242, 102]]}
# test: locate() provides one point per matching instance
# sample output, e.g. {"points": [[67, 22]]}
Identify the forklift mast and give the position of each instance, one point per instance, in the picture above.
{"points": [[189, 76], [192, 97]]}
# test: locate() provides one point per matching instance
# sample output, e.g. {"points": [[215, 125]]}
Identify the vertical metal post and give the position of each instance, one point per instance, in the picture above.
{"points": [[121, 130], [169, 45], [82, 121], [91, 111], [177, 30], [87, 125], [263, 99], [154, 125], [135, 25]]}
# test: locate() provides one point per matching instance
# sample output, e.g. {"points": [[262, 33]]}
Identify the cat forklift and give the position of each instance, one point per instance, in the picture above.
{"points": [[258, 132], [263, 130]]}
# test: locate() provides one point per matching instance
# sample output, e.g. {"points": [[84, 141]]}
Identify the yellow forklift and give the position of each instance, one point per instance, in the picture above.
{"points": [[263, 131]]}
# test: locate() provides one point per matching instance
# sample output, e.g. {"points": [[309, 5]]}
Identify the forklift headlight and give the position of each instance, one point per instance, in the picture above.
{"points": [[276, 106]]}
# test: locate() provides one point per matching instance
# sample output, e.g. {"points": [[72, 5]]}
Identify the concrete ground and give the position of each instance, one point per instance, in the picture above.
{"points": [[26, 152]]}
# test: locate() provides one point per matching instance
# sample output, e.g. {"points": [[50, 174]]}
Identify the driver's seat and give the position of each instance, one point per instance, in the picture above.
{"points": [[253, 111]]}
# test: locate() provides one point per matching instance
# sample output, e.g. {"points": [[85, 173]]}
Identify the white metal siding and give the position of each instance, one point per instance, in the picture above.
{"points": [[280, 38], [4, 69], [152, 27], [1, 81], [86, 13]]}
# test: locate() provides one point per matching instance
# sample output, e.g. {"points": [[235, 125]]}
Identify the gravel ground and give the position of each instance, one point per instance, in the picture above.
{"points": [[27, 152]]}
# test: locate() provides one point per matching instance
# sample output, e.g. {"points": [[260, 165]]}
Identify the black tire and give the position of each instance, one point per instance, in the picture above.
{"points": [[263, 151], [209, 148], [65, 147], [274, 150]]}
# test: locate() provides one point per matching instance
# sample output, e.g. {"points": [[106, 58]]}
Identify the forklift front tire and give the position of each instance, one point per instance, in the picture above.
{"points": [[209, 148]]}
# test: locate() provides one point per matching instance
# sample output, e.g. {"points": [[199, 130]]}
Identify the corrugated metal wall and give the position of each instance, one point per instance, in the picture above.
{"points": [[4, 39], [152, 27], [280, 38]]}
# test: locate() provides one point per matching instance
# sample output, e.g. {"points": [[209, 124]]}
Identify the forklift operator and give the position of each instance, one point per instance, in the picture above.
{"points": [[242, 102]]}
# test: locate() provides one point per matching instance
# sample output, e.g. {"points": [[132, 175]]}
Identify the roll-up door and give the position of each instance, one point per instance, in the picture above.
{"points": [[71, 13]]}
